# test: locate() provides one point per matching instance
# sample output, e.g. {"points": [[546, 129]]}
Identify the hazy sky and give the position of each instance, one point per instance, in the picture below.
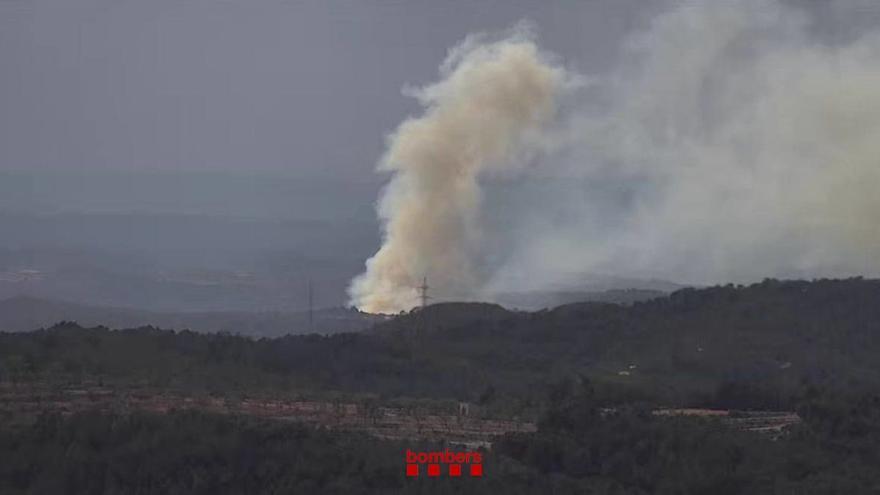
{"points": [[313, 88], [246, 84]]}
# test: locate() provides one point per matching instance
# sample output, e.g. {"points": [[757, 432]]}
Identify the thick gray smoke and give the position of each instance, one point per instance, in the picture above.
{"points": [[734, 141]]}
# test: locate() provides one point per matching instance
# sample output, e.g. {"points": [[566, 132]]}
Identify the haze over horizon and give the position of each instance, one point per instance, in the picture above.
{"points": [[218, 154]]}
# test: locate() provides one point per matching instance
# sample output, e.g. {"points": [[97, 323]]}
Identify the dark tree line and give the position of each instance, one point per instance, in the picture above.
{"points": [[582, 446], [737, 347]]}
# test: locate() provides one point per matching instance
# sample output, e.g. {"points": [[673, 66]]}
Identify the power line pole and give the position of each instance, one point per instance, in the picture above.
{"points": [[421, 322], [423, 291], [311, 309]]}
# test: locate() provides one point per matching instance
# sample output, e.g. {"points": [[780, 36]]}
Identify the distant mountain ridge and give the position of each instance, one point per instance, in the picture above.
{"points": [[25, 313], [533, 301], [760, 346]]}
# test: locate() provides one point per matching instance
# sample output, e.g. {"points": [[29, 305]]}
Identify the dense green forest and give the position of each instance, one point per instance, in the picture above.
{"points": [[590, 374], [580, 448], [589, 450], [742, 347]]}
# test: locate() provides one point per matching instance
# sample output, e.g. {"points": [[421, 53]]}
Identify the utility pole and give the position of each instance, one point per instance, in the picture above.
{"points": [[311, 309], [423, 291], [421, 326]]}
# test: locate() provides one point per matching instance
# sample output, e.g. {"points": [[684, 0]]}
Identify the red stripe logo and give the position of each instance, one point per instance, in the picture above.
{"points": [[447, 463]]}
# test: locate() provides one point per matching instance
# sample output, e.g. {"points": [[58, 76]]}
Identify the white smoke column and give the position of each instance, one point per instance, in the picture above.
{"points": [[492, 98]]}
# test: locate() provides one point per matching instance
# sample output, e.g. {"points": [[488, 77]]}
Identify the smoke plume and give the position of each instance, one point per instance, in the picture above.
{"points": [[732, 141], [491, 98]]}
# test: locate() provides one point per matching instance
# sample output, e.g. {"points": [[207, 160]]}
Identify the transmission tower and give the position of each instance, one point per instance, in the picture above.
{"points": [[423, 291], [421, 323], [311, 308]]}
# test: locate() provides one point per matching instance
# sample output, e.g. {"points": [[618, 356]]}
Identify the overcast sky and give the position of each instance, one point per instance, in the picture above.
{"points": [[309, 86]]}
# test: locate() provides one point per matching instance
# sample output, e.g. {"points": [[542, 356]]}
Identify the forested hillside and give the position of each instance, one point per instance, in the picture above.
{"points": [[579, 448], [591, 376], [755, 346]]}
